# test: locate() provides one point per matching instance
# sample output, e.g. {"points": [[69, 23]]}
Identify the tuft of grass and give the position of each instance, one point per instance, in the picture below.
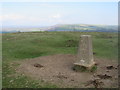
{"points": [[94, 68], [78, 68]]}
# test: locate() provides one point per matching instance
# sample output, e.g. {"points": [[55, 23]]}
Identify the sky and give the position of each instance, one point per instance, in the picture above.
{"points": [[42, 14]]}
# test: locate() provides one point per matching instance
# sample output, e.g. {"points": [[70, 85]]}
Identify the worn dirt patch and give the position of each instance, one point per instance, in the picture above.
{"points": [[57, 69]]}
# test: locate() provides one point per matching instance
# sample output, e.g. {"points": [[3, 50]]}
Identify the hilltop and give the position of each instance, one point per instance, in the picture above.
{"points": [[55, 52], [83, 28]]}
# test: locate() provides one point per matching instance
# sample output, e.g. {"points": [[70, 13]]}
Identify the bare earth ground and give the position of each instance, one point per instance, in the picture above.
{"points": [[57, 69]]}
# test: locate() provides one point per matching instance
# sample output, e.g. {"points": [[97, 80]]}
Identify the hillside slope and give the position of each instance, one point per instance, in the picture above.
{"points": [[83, 27]]}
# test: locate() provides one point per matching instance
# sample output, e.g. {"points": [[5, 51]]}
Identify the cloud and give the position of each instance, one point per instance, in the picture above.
{"points": [[17, 19], [56, 16], [11, 17]]}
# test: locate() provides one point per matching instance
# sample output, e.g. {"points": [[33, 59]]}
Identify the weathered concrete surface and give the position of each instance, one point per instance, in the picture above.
{"points": [[85, 52]]}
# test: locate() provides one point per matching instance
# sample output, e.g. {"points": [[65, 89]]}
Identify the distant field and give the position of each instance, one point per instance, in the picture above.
{"points": [[20, 46]]}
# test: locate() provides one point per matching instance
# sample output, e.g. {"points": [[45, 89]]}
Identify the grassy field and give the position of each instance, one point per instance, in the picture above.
{"points": [[20, 46]]}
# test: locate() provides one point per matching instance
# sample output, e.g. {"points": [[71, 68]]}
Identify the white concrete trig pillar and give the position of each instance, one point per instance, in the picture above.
{"points": [[85, 52]]}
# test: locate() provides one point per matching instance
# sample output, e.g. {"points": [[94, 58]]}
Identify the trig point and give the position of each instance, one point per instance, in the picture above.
{"points": [[85, 52]]}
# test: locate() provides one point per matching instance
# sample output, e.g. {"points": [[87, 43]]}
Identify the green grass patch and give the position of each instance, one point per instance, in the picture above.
{"points": [[78, 68]]}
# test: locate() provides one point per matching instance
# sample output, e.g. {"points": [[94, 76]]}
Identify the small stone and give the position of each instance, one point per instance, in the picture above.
{"points": [[116, 77], [104, 76], [116, 68], [38, 65], [11, 80], [107, 71], [72, 79], [110, 67]]}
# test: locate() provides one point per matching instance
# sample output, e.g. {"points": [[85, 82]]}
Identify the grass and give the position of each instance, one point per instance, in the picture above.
{"points": [[78, 68], [19, 46]]}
